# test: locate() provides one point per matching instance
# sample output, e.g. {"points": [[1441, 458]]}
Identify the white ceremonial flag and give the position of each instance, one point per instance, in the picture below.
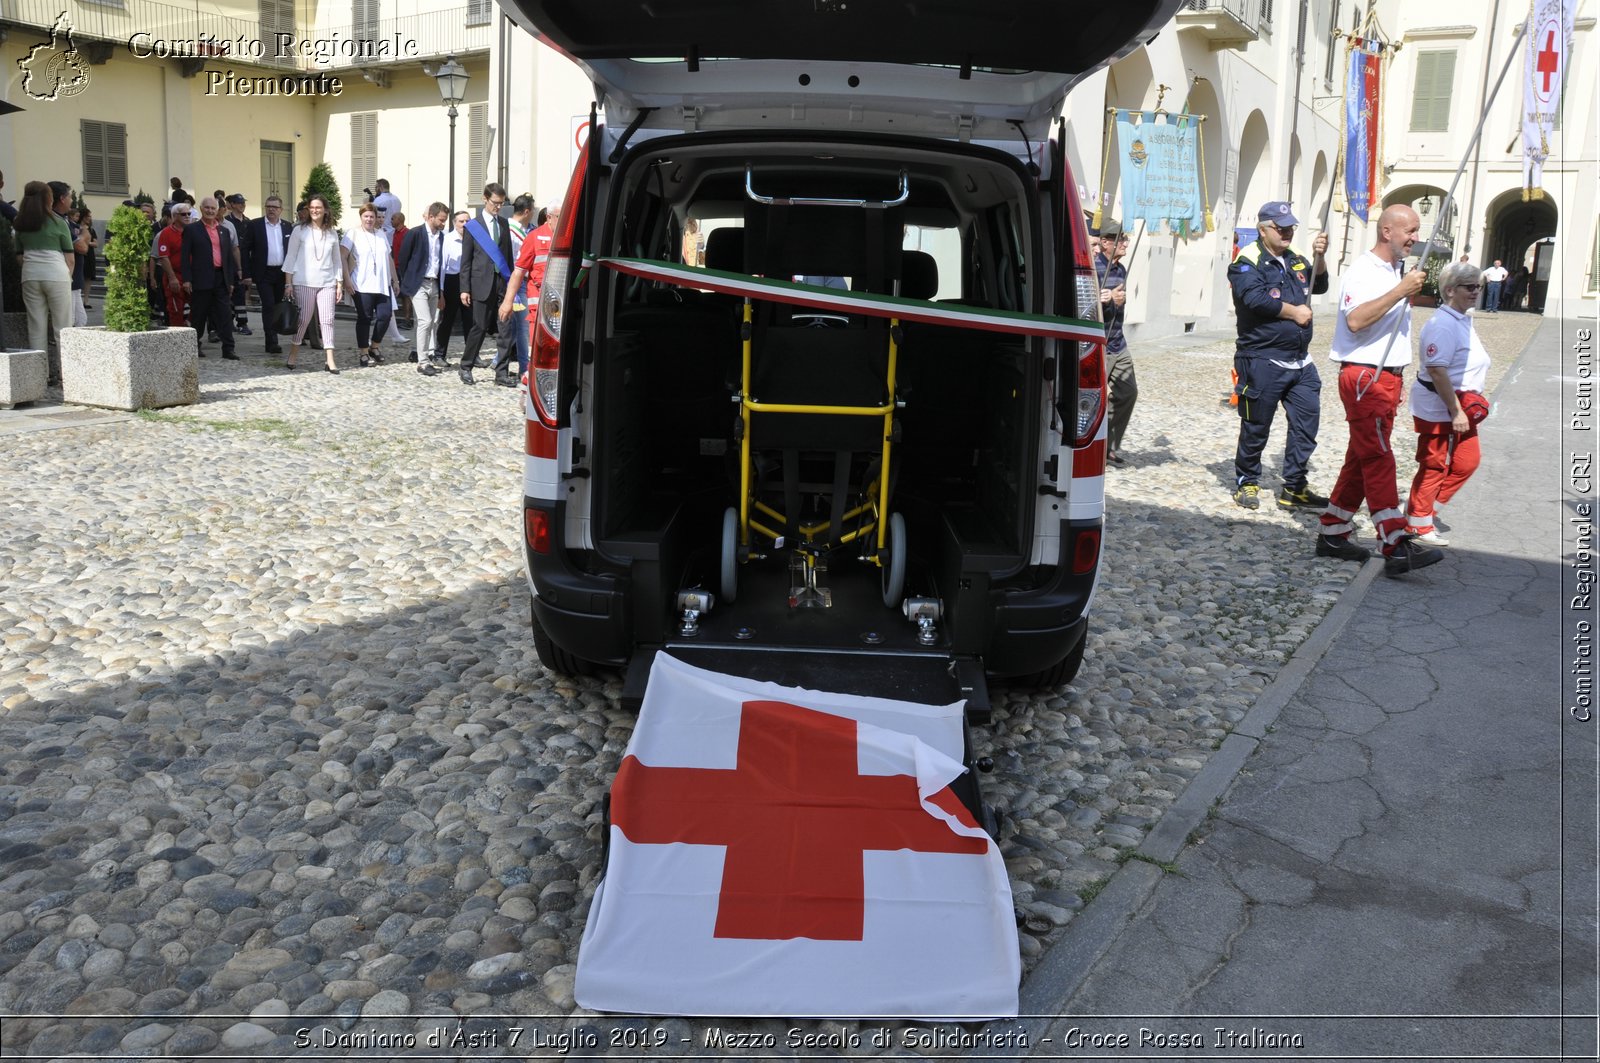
{"points": [[784, 852], [1546, 46]]}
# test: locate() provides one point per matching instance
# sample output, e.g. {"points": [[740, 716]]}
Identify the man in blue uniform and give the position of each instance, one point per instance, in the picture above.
{"points": [[1113, 278], [1272, 288]]}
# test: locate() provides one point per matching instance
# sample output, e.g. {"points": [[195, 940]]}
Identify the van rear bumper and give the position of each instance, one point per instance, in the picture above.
{"points": [[585, 614]]}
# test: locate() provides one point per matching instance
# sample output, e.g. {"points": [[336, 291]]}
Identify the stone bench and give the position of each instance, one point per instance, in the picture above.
{"points": [[130, 370], [23, 376]]}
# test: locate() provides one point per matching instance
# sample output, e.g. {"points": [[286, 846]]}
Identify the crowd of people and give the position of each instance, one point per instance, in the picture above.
{"points": [[1272, 284], [478, 275]]}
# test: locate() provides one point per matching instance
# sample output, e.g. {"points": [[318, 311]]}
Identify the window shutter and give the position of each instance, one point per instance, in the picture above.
{"points": [[363, 154], [1430, 98], [477, 149], [94, 154], [116, 156]]}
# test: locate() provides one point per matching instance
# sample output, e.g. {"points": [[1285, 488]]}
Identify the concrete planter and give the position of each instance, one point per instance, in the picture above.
{"points": [[23, 376], [130, 370]]}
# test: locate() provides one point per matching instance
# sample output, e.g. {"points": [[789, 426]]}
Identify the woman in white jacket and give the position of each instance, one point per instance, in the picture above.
{"points": [[313, 264], [371, 282]]}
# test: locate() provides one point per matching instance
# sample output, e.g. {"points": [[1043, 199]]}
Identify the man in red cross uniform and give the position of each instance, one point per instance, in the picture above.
{"points": [[169, 251], [528, 276], [1372, 344]]}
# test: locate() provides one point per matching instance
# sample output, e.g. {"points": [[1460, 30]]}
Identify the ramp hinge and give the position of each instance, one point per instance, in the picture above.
{"points": [[964, 129], [691, 119]]}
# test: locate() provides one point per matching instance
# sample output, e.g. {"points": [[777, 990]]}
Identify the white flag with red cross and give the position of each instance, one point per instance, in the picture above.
{"points": [[790, 853], [1547, 47]]}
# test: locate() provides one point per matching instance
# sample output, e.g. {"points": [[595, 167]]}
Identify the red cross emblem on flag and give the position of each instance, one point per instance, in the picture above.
{"points": [[1548, 60], [797, 817], [783, 852]]}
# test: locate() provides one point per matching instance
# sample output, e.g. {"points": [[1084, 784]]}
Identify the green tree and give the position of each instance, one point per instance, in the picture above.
{"points": [[321, 182], [127, 250]]}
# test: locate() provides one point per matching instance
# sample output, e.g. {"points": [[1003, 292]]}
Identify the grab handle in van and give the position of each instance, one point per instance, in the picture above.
{"points": [[823, 201]]}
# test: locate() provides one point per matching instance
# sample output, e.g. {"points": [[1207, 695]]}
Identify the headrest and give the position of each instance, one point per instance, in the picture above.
{"points": [[919, 275], [725, 249]]}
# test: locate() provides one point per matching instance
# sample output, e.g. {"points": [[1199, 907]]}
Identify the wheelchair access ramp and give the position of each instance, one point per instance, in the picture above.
{"points": [[779, 851]]}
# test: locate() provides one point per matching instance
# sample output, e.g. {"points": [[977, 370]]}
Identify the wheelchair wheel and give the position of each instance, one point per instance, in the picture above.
{"points": [[730, 555], [893, 566]]}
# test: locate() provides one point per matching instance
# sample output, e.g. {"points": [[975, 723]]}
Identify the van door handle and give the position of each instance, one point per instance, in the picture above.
{"points": [[823, 201]]}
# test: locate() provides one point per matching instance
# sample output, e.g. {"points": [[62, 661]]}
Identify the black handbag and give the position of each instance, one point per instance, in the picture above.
{"points": [[285, 317]]}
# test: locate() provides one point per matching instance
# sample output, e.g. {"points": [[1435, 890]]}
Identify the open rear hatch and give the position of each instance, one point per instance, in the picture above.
{"points": [[954, 67]]}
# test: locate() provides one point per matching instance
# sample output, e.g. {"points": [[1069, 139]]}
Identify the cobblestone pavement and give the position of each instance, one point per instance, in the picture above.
{"points": [[276, 754]]}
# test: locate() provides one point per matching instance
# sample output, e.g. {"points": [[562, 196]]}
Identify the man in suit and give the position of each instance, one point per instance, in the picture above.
{"points": [[485, 268], [265, 240], [420, 268], [207, 264]]}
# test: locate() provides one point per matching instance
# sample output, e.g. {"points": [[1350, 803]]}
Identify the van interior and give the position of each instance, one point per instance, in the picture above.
{"points": [[666, 367]]}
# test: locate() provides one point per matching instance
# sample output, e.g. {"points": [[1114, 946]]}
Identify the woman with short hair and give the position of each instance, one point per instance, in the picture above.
{"points": [[1454, 362], [371, 284], [314, 264], [45, 243]]}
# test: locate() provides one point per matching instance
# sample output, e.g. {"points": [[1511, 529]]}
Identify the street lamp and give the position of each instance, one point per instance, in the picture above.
{"points": [[452, 78]]}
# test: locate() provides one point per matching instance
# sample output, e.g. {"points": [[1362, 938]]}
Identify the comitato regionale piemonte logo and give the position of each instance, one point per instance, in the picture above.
{"points": [[55, 70]]}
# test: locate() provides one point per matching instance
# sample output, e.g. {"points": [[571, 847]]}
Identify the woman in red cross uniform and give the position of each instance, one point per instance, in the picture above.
{"points": [[1454, 360]]}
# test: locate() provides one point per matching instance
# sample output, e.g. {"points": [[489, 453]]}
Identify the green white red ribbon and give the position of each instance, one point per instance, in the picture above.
{"points": [[865, 303]]}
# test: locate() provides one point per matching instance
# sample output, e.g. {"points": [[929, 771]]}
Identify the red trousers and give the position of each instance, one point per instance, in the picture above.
{"points": [[177, 304], [1444, 462], [1371, 398]]}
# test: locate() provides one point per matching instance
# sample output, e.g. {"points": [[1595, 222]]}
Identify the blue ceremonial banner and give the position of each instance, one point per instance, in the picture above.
{"points": [[1160, 170], [1361, 128]]}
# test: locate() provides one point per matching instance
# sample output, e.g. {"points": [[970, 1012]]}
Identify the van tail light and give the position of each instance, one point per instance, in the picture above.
{"points": [[1085, 551], [536, 527], [544, 367], [1090, 408]]}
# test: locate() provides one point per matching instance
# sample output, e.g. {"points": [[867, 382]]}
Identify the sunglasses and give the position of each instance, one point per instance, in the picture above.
{"points": [[1285, 230], [1469, 287]]}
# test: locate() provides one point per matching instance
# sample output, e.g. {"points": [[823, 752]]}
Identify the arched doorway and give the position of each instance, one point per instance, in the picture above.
{"points": [[1319, 189], [1255, 167], [1520, 235]]}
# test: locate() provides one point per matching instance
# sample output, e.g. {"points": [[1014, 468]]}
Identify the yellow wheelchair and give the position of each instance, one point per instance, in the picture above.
{"points": [[816, 432]]}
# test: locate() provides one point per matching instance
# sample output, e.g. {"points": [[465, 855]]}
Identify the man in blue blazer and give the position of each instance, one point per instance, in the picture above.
{"points": [[485, 268], [421, 271], [265, 240], [205, 261]]}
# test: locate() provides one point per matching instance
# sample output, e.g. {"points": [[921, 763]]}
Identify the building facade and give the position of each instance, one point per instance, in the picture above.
{"points": [[120, 95]]}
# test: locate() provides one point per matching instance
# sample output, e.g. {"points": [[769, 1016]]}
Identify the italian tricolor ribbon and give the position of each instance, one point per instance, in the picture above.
{"points": [[865, 303]]}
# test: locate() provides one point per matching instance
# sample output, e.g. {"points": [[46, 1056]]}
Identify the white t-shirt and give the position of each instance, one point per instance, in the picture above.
{"points": [[369, 253], [1450, 341], [1495, 273], [1368, 278]]}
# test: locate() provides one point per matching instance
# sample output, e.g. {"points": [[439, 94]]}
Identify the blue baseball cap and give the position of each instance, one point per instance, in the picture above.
{"points": [[1276, 212]]}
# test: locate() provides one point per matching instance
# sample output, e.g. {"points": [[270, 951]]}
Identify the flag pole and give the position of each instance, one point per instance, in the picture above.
{"points": [[1449, 196]]}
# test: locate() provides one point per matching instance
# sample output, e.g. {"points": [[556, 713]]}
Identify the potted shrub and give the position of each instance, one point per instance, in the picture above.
{"points": [[127, 365]]}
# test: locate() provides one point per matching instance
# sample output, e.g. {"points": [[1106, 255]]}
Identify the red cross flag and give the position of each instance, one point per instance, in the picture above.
{"points": [[789, 853], [1546, 45]]}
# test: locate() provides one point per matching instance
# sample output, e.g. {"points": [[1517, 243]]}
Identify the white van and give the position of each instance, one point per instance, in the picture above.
{"points": [[817, 391]]}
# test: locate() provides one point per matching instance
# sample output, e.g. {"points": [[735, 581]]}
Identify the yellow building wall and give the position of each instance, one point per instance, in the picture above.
{"points": [[413, 138], [174, 130]]}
